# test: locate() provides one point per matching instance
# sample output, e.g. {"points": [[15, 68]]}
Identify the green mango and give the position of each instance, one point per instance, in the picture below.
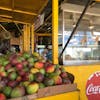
{"points": [[31, 77], [5, 62], [41, 85], [30, 60], [32, 88], [7, 91], [18, 92], [42, 71], [26, 55], [48, 82]]}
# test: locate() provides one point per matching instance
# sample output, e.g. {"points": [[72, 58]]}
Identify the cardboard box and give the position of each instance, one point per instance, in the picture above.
{"points": [[49, 91]]}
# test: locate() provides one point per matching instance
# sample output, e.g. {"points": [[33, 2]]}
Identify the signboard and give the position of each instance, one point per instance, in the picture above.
{"points": [[39, 21], [93, 87]]}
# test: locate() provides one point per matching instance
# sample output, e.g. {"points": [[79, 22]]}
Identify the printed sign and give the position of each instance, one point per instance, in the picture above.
{"points": [[93, 86]]}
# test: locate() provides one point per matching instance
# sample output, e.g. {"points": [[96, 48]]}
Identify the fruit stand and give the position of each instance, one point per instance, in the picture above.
{"points": [[14, 11], [28, 76], [19, 71]]}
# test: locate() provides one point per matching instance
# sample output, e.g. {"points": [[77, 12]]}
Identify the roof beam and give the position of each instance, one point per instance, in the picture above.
{"points": [[78, 9], [6, 16], [5, 19], [2, 19], [43, 34], [18, 11]]}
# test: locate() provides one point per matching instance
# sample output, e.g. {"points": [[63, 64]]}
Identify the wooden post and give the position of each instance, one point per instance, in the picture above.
{"points": [[32, 38], [26, 38]]}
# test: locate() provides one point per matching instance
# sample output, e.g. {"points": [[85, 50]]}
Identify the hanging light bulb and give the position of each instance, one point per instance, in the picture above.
{"points": [[91, 26], [74, 24], [74, 20]]}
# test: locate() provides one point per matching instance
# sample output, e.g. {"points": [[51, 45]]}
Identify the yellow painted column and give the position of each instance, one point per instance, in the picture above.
{"points": [[26, 38], [32, 38], [55, 31]]}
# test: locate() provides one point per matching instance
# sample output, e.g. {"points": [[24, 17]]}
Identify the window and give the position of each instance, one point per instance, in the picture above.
{"points": [[83, 47]]}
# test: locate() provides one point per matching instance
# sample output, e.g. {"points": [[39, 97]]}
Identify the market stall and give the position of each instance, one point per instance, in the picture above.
{"points": [[16, 12]]}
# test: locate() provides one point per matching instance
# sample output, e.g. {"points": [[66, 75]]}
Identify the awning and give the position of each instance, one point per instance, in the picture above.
{"points": [[23, 11]]}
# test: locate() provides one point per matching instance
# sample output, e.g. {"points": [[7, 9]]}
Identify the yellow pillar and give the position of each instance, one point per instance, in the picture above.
{"points": [[26, 38], [55, 31], [32, 38]]}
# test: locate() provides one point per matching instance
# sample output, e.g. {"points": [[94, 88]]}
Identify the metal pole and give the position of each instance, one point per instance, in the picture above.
{"points": [[77, 24], [55, 31], [63, 29]]}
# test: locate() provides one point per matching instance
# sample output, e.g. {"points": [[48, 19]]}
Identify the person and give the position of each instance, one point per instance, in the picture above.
{"points": [[4, 46], [4, 41], [44, 53], [49, 54]]}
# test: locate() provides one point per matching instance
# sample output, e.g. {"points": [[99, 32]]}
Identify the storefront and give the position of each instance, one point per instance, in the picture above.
{"points": [[84, 45], [82, 56]]}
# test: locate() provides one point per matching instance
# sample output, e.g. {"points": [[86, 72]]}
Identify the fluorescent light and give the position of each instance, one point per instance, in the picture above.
{"points": [[96, 33], [91, 27]]}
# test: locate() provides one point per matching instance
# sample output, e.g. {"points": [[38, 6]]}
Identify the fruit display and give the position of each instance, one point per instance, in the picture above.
{"points": [[24, 74]]}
